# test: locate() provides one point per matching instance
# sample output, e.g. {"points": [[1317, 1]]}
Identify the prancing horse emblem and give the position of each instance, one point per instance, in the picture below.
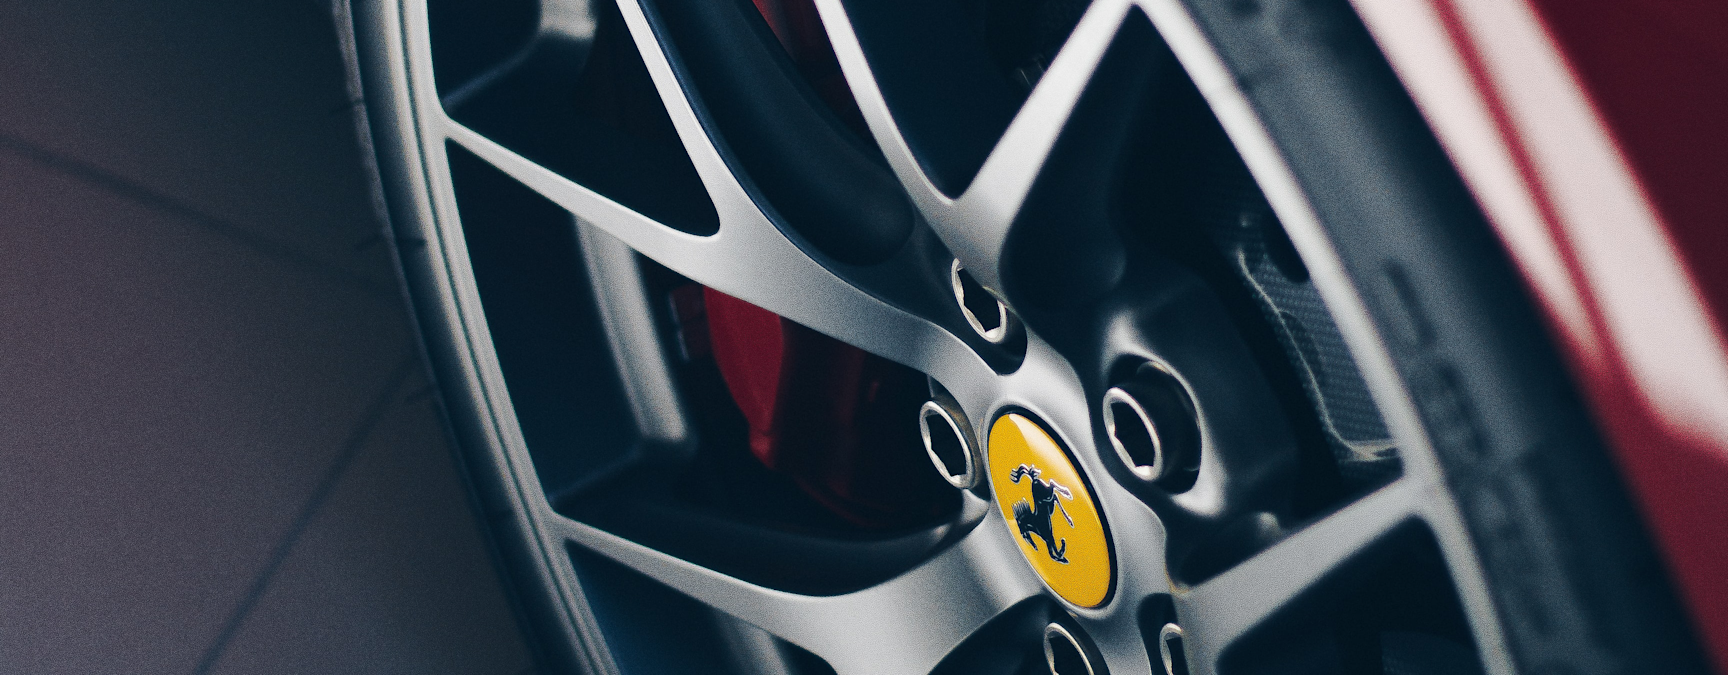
{"points": [[1035, 517]]}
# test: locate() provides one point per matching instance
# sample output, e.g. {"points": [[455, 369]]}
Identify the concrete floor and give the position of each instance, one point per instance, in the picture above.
{"points": [[219, 448]]}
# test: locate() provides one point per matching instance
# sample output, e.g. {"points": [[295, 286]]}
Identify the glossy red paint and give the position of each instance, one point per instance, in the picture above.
{"points": [[842, 423], [1657, 72], [1591, 133]]}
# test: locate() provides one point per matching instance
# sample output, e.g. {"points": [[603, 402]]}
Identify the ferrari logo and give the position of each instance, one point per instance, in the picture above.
{"points": [[1034, 517], [1035, 482]]}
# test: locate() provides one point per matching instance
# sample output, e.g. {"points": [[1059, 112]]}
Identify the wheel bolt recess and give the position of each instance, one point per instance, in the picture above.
{"points": [[1151, 422]]}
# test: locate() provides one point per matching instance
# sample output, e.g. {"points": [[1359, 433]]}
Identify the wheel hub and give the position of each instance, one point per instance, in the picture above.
{"points": [[1047, 504]]}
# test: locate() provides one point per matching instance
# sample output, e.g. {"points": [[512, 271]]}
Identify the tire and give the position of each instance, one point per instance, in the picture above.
{"points": [[1361, 452], [1572, 573]]}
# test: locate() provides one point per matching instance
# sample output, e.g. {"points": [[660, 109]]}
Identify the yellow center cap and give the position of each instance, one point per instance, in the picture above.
{"points": [[1049, 510]]}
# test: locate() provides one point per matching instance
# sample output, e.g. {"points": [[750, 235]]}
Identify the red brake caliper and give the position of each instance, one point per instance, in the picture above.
{"points": [[842, 423]]}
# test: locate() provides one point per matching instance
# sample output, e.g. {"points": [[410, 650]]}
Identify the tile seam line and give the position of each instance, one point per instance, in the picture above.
{"points": [[145, 196], [321, 493]]}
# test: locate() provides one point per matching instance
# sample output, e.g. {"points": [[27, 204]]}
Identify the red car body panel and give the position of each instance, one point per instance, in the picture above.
{"points": [[1591, 132]]}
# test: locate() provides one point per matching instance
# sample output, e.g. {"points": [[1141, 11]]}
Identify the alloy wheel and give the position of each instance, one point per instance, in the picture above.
{"points": [[1058, 222]]}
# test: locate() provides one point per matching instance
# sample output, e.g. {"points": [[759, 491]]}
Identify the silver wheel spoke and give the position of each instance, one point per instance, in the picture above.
{"points": [[1218, 612], [749, 258], [874, 107], [975, 226], [904, 625]]}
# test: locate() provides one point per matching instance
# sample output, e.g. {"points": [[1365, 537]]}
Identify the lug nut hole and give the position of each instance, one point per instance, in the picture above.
{"points": [[1063, 653], [987, 315], [1152, 425], [1133, 434], [948, 444], [1170, 647]]}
